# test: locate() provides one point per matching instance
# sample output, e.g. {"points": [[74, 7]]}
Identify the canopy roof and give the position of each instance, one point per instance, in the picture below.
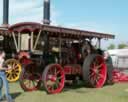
{"points": [[57, 31], [3, 31]]}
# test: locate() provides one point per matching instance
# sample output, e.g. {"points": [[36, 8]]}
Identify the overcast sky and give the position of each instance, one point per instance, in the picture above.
{"points": [[108, 16]]}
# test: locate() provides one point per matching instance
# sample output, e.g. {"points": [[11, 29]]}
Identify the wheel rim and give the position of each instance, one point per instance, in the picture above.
{"points": [[54, 79], [30, 80], [14, 73], [98, 72]]}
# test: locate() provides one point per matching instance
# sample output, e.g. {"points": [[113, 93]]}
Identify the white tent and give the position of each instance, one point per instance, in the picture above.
{"points": [[119, 57], [119, 52]]}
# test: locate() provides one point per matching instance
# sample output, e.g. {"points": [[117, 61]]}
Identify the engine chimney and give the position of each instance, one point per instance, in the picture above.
{"points": [[5, 12], [46, 19]]}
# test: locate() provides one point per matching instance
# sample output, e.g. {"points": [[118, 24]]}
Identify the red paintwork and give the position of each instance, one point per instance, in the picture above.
{"points": [[23, 54], [24, 58], [73, 70], [20, 27], [25, 61], [119, 76]]}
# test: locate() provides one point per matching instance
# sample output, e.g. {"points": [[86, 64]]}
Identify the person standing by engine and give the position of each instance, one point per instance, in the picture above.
{"points": [[3, 77], [109, 64]]}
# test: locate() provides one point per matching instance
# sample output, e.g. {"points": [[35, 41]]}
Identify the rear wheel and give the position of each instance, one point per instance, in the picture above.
{"points": [[13, 74], [53, 78], [94, 71]]}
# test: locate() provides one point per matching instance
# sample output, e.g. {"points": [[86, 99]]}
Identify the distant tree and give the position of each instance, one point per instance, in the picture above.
{"points": [[122, 45], [111, 46]]}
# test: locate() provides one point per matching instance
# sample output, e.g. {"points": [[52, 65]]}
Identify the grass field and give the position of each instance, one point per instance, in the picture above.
{"points": [[114, 93]]}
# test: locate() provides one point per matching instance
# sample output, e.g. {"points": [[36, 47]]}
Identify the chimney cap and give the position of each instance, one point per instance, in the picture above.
{"points": [[46, 0], [4, 26]]}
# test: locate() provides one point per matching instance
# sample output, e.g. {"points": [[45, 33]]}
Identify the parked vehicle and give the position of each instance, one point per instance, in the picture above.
{"points": [[56, 55]]}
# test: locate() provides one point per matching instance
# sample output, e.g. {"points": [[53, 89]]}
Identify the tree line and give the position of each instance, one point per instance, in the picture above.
{"points": [[119, 46]]}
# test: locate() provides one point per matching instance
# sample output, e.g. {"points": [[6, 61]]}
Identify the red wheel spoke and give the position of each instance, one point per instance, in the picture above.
{"points": [[55, 71], [92, 69], [92, 74], [58, 78], [99, 66], [101, 76], [93, 77], [58, 72]]}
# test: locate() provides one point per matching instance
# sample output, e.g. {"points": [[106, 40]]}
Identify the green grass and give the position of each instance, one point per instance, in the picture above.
{"points": [[114, 93]]}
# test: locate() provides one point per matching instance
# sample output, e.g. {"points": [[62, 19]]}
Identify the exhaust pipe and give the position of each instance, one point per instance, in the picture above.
{"points": [[46, 19], [5, 13]]}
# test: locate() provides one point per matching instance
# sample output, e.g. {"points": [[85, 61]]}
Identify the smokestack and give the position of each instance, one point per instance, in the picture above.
{"points": [[46, 19], [5, 12]]}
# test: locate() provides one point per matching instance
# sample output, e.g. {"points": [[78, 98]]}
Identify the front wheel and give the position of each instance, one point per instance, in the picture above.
{"points": [[53, 78], [30, 80], [94, 71]]}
